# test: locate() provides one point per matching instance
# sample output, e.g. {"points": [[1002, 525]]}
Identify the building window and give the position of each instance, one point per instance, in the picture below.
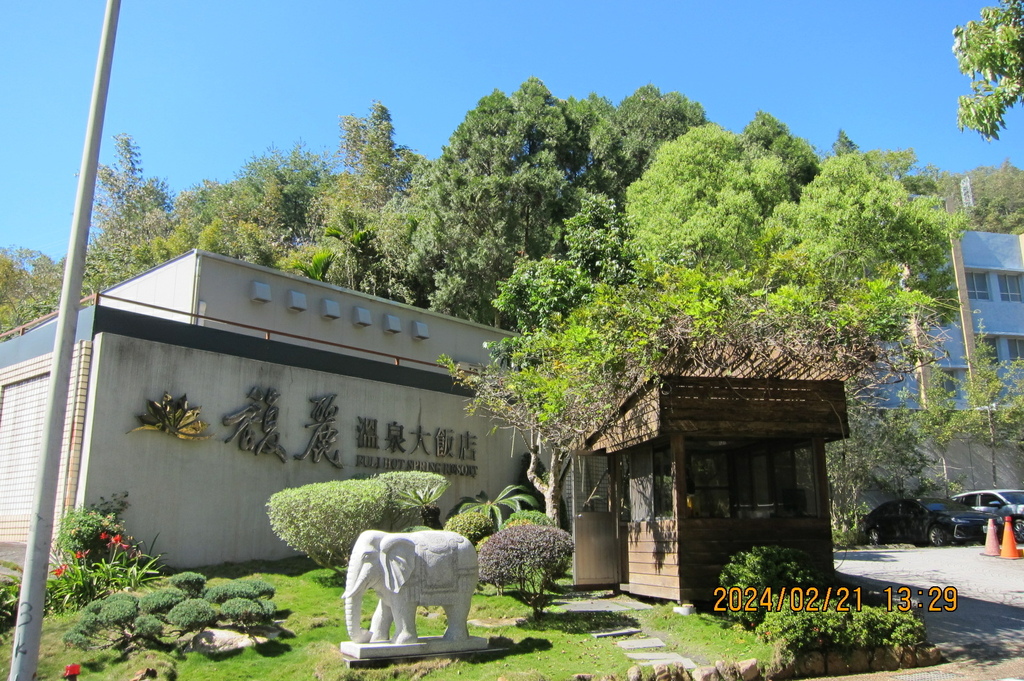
{"points": [[992, 343], [1009, 288], [977, 286], [948, 381], [1015, 348]]}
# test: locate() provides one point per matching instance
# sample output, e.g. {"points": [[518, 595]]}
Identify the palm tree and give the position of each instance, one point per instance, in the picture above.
{"points": [[512, 497]]}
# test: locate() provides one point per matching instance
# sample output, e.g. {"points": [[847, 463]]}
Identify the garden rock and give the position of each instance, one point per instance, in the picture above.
{"points": [[811, 664], [928, 655], [727, 670], [836, 664], [221, 641], [885, 660], [748, 670], [705, 674], [786, 671], [858, 661], [635, 673], [908, 657]]}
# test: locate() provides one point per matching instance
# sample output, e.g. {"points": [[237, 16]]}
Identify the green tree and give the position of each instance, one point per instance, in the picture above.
{"points": [[986, 406], [499, 191], [843, 144], [366, 212], [30, 284], [130, 211], [704, 200], [998, 193], [767, 135], [991, 52], [624, 139]]}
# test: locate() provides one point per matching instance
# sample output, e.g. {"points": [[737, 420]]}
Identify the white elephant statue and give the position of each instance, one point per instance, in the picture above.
{"points": [[408, 570]]}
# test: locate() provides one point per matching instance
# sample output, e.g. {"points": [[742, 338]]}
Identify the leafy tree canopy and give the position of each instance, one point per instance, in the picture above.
{"points": [[991, 52]]}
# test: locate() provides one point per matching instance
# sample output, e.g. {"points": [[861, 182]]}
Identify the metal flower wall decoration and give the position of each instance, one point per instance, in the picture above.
{"points": [[174, 417]]}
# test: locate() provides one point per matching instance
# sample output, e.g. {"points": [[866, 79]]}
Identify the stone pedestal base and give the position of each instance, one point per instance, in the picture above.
{"points": [[426, 646]]}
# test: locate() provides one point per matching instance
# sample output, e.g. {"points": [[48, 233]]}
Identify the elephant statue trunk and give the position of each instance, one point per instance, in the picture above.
{"points": [[355, 586]]}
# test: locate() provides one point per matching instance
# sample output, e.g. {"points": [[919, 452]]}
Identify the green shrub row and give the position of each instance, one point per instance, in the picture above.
{"points": [[127, 622], [870, 627]]}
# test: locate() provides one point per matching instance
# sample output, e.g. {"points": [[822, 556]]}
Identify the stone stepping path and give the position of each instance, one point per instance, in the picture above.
{"points": [[647, 659], [640, 643], [615, 632]]}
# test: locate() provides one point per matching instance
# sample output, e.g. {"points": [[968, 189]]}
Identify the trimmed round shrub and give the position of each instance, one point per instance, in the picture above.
{"points": [[252, 589], [192, 583], [473, 526], [161, 601], [246, 612], [148, 626], [400, 514], [192, 615], [323, 520], [768, 567], [528, 558], [528, 517], [804, 631]]}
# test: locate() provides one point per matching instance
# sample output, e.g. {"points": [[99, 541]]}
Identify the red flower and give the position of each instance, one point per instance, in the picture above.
{"points": [[60, 571], [116, 539], [104, 535], [81, 554]]}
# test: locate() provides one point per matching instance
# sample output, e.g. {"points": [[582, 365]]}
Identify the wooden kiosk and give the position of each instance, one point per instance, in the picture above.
{"points": [[696, 468]]}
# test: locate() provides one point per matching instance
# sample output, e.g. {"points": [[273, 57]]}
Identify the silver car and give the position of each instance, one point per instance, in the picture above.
{"points": [[1002, 502]]}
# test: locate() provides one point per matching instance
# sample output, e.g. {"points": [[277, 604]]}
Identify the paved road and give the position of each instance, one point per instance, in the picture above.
{"points": [[984, 636]]}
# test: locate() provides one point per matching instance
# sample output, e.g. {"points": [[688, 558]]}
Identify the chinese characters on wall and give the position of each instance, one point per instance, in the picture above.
{"points": [[441, 450]]}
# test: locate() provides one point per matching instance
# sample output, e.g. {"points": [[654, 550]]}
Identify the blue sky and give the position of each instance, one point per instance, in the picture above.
{"points": [[204, 86]]}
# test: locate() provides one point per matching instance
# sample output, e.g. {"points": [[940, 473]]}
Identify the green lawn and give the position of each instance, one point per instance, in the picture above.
{"points": [[553, 647]]}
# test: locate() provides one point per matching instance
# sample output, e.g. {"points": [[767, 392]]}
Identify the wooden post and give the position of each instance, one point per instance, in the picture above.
{"points": [[677, 444]]}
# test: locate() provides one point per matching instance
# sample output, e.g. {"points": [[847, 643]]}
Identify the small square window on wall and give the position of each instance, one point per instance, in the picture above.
{"points": [[330, 309], [296, 301], [977, 286], [392, 324], [1009, 288], [361, 316], [259, 292], [1015, 348]]}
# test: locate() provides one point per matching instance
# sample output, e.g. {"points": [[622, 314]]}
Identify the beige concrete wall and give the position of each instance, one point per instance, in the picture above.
{"points": [[206, 500], [225, 288], [171, 286]]}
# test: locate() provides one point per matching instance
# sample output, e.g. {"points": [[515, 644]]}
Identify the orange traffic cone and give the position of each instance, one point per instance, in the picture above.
{"points": [[1010, 549], [991, 539]]}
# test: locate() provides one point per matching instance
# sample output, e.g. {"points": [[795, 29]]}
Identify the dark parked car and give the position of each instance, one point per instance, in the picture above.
{"points": [[1002, 502], [925, 521]]}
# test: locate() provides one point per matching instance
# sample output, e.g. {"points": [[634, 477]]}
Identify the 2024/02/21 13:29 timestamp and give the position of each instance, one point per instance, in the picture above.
{"points": [[932, 599], [841, 599]]}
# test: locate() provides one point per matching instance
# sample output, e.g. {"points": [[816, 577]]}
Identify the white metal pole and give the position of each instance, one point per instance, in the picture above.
{"points": [[28, 629]]}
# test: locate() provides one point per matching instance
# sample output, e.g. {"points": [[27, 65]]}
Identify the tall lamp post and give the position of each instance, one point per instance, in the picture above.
{"points": [[29, 626]]}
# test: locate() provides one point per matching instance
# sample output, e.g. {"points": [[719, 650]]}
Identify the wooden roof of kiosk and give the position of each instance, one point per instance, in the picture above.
{"points": [[706, 461]]}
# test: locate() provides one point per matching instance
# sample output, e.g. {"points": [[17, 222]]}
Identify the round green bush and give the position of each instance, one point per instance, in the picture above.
{"points": [[528, 558], [472, 525], [192, 615], [148, 626], [253, 589], [528, 517], [323, 520], [768, 567], [161, 601], [246, 612], [118, 611], [192, 583]]}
